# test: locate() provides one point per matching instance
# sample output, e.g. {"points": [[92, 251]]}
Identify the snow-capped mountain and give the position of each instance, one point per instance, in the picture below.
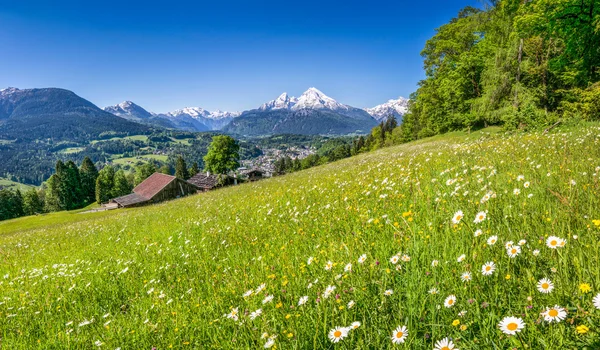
{"points": [[212, 120], [129, 110], [397, 108], [311, 113], [189, 118], [284, 101], [313, 99]]}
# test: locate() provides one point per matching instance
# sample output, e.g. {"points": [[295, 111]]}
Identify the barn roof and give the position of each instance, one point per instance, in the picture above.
{"points": [[204, 181], [153, 184], [130, 199]]}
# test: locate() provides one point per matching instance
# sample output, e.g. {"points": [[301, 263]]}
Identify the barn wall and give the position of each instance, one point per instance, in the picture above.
{"points": [[174, 190]]}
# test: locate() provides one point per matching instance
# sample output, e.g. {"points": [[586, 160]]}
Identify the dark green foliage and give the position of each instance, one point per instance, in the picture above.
{"points": [[88, 175], [121, 185], [105, 184], [181, 170], [32, 202], [11, 204], [194, 169], [520, 64], [313, 122], [223, 155], [165, 169]]}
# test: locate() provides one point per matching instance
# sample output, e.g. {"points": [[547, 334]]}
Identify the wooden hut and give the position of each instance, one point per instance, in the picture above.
{"points": [[253, 174], [207, 181], [156, 188]]}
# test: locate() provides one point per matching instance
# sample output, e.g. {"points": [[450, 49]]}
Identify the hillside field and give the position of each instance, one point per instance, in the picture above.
{"points": [[396, 237]]}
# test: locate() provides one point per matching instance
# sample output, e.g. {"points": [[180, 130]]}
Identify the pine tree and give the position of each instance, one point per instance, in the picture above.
{"points": [[181, 170], [121, 186], [32, 203], [194, 169], [72, 182], [165, 169], [52, 200], [88, 174], [105, 184]]}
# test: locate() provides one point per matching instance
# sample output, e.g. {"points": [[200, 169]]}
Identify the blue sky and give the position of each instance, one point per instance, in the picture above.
{"points": [[228, 55]]}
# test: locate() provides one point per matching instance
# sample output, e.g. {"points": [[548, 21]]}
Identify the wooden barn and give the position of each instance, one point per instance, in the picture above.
{"points": [[207, 181], [253, 174], [156, 188]]}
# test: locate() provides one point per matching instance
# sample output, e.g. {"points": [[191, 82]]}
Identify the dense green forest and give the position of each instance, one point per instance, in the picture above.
{"points": [[520, 64]]}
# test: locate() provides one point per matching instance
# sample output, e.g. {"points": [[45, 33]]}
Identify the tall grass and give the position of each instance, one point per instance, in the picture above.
{"points": [[167, 276]]}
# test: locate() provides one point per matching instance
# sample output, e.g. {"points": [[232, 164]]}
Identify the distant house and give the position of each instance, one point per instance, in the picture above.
{"points": [[207, 181], [156, 188], [253, 174]]}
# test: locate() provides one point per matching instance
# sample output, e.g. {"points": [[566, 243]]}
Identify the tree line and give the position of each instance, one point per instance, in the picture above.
{"points": [[519, 64], [72, 187]]}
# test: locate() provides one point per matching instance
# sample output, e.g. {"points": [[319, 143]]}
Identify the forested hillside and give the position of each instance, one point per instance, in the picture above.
{"points": [[520, 64]]}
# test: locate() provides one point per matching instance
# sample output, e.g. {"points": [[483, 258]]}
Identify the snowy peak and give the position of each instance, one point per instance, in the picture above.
{"points": [[313, 98], [8, 91], [200, 113], [284, 101], [396, 108], [128, 110]]}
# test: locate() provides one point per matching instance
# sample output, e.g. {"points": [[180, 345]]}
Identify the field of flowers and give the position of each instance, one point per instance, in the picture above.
{"points": [[481, 241]]}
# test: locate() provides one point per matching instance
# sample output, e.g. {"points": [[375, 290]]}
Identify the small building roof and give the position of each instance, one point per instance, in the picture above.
{"points": [[130, 199], [152, 185], [203, 180]]}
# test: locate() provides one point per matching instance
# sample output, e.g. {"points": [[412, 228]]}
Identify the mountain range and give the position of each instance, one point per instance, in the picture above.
{"points": [[311, 113], [56, 114]]}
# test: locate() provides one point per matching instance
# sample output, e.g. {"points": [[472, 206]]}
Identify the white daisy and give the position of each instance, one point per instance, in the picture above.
{"points": [[444, 344], [488, 268], [388, 292], [554, 242], [536, 252], [492, 240], [466, 276], [545, 286], [450, 301], [435, 263], [355, 325], [513, 251], [596, 301], [399, 335], [348, 267], [433, 291], [394, 259], [270, 342], [351, 303], [303, 300], [511, 325], [461, 258], [480, 217], [478, 233], [337, 334], [328, 266], [362, 258], [457, 217], [554, 314], [255, 314], [267, 299]]}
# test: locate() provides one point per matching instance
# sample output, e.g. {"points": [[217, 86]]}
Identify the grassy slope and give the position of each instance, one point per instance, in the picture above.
{"points": [[165, 275], [5, 183]]}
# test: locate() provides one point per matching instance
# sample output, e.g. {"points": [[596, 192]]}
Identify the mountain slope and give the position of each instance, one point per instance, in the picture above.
{"points": [[59, 114], [194, 260], [311, 113], [396, 108]]}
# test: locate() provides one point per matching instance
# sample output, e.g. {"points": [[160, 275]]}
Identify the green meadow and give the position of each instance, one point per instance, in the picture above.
{"points": [[340, 256]]}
